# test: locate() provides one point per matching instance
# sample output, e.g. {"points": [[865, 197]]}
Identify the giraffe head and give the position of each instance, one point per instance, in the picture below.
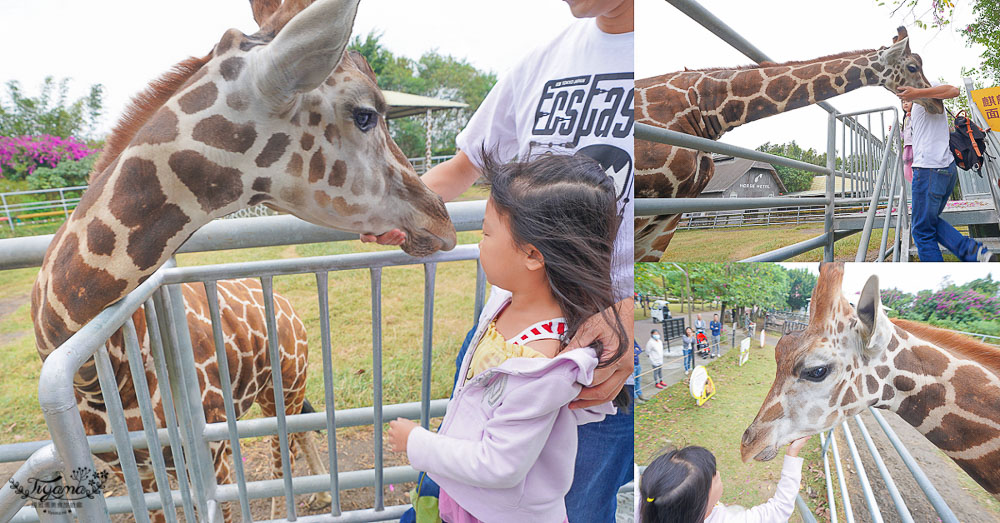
{"points": [[898, 67], [287, 118], [823, 371]]}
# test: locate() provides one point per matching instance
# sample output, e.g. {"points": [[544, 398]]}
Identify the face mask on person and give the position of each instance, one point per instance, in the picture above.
{"points": [[656, 336]]}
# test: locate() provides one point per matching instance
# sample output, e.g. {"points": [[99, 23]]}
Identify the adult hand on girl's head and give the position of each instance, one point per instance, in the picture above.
{"points": [[795, 446], [608, 381], [399, 433]]}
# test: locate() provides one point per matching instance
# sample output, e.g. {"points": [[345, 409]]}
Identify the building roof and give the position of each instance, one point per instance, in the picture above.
{"points": [[729, 169], [405, 104]]}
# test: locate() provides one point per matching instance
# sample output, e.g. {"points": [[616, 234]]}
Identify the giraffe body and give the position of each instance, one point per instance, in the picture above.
{"points": [[709, 102], [944, 384], [283, 117]]}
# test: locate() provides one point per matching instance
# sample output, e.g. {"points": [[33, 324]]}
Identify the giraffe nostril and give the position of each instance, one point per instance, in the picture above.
{"points": [[748, 436]]}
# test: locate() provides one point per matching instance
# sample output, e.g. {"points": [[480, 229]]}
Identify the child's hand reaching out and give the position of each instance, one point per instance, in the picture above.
{"points": [[795, 446], [399, 433]]}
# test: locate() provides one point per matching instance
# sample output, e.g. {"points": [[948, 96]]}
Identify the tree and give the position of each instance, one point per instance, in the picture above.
{"points": [[800, 288], [983, 30], [51, 112], [433, 75], [795, 180]]}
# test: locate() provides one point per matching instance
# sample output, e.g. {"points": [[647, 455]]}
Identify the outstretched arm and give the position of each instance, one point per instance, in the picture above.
{"points": [[940, 92], [780, 507]]}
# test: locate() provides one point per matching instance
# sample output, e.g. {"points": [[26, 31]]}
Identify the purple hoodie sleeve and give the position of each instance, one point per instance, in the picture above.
{"points": [[512, 439]]}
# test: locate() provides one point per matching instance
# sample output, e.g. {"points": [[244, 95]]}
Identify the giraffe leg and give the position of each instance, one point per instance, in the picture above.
{"points": [[149, 485], [222, 453]]}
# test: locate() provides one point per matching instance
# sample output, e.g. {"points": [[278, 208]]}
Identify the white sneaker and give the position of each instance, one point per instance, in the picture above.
{"points": [[985, 255]]}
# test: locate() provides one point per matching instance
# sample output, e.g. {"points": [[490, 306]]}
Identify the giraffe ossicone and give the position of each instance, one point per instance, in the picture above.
{"points": [[850, 358], [709, 102], [284, 117]]}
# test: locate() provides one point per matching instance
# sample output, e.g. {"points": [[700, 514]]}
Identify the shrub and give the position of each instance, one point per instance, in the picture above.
{"points": [[68, 173], [21, 155]]}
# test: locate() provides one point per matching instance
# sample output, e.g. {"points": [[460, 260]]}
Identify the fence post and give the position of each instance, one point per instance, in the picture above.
{"points": [[831, 164], [6, 209]]}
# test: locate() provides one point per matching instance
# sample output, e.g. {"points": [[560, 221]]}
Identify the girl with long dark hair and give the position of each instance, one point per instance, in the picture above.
{"points": [[507, 446]]}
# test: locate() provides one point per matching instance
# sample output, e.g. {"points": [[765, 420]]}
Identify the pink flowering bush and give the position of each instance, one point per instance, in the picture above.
{"points": [[21, 155]]}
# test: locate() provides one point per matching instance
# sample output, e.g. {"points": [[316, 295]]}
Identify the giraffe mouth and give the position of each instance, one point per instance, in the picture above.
{"points": [[767, 454], [932, 105]]}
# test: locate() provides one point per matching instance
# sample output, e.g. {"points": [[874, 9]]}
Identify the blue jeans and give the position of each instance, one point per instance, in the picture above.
{"points": [[931, 190], [715, 344], [603, 462], [688, 359]]}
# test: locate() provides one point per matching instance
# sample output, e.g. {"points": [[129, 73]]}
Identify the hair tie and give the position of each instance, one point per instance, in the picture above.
{"points": [[649, 500]]}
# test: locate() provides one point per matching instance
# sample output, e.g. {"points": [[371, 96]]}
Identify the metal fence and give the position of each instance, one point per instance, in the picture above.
{"points": [[187, 434], [862, 152], [13, 211]]}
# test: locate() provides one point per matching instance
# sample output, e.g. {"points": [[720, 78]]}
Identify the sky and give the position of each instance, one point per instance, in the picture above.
{"points": [[668, 41], [123, 44], [907, 277]]}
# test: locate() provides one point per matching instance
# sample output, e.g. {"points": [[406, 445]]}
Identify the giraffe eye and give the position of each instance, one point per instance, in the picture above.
{"points": [[911, 68], [365, 119], [816, 374]]}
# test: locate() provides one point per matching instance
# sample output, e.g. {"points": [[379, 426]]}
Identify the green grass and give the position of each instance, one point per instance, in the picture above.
{"points": [[350, 321], [718, 245], [673, 419]]}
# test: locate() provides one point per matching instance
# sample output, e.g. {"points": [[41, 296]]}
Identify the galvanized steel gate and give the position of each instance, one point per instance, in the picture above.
{"points": [[187, 433]]}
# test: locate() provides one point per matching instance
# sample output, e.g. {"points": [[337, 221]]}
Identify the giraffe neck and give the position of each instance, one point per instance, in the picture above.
{"points": [[134, 216], [949, 397], [708, 103]]}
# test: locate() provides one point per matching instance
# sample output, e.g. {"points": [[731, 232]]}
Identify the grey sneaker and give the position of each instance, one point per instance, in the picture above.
{"points": [[985, 255]]}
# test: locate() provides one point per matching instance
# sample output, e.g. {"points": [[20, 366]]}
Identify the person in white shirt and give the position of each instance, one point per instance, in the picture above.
{"points": [[654, 349], [573, 95], [934, 178], [684, 486]]}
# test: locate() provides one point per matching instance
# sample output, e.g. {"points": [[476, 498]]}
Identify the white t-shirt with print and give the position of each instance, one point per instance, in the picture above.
{"points": [[930, 138], [572, 95]]}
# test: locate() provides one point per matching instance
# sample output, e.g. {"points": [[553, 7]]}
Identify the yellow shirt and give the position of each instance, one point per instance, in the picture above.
{"points": [[494, 349]]}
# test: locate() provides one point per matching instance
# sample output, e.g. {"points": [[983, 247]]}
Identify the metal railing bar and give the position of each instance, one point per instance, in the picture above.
{"points": [[323, 291], [896, 159], [831, 180], [43, 464], [480, 291], [796, 249], [141, 386], [873, 206], [313, 483], [376, 289], [334, 262], [866, 487], [239, 233], [830, 498], [279, 397], [184, 384], [804, 511], [657, 206], [392, 513], [841, 480], [212, 293], [154, 327], [939, 504], [116, 418], [430, 272], [890, 485], [657, 134]]}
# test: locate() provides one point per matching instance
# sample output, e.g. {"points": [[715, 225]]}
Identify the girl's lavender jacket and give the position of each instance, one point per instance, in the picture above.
{"points": [[506, 448]]}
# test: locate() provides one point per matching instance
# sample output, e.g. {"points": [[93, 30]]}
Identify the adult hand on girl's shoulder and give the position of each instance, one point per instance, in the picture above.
{"points": [[399, 433], [609, 380]]}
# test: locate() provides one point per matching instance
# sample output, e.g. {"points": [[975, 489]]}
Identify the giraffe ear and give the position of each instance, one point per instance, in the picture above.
{"points": [[306, 50], [875, 329], [899, 49]]}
